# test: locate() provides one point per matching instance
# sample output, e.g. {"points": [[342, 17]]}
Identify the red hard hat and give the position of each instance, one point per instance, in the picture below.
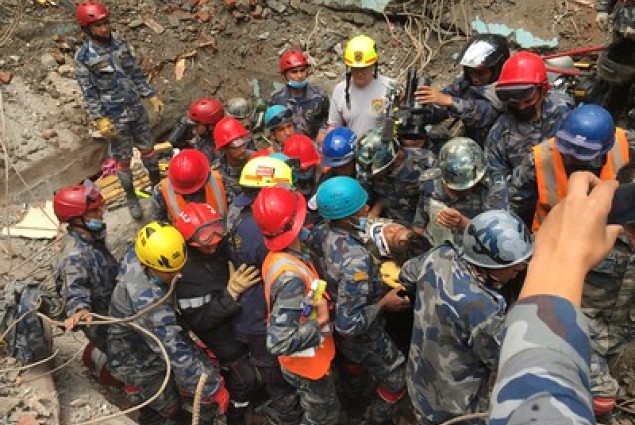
{"points": [[523, 68], [73, 201], [201, 225], [292, 59], [89, 12], [301, 147], [188, 171], [227, 130], [206, 111], [279, 214]]}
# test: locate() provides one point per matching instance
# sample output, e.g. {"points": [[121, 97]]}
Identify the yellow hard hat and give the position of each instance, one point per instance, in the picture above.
{"points": [[161, 247], [264, 171], [360, 52]]}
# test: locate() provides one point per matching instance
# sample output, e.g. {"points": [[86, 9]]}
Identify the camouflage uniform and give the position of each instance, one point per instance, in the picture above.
{"points": [[608, 302], [476, 107], [206, 145], [136, 360], [85, 277], [112, 84], [230, 175], [458, 328], [510, 141], [286, 335], [469, 203], [399, 190], [310, 111], [355, 286], [543, 377]]}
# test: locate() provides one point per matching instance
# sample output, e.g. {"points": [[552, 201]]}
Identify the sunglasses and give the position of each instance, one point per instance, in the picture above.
{"points": [[516, 94], [209, 233]]}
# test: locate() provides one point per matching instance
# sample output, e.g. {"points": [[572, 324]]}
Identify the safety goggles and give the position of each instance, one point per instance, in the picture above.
{"points": [[516, 93], [239, 143], [279, 119], [208, 234], [580, 149]]}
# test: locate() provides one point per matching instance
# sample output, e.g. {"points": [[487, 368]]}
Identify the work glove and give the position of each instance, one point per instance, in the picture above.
{"points": [[242, 278], [220, 397], [389, 271], [155, 103], [105, 127], [602, 20]]}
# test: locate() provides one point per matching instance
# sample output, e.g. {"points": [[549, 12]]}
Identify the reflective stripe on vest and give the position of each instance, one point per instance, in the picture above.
{"points": [[319, 365], [551, 176], [195, 302], [214, 196]]}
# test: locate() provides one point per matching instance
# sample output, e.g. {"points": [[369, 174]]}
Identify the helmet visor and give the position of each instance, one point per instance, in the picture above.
{"points": [[281, 118], [239, 143], [208, 234], [516, 93], [580, 149]]}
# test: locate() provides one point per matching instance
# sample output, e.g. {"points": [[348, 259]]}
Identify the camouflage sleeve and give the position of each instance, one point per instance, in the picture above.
{"points": [[485, 339], [74, 277], [186, 360], [130, 64], [523, 192], [89, 90], [543, 376], [158, 205], [355, 311], [605, 5], [410, 273], [497, 166], [422, 213], [474, 112], [323, 112], [286, 334]]}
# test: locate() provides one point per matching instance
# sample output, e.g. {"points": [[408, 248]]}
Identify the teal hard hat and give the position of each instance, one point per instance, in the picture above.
{"points": [[276, 115], [340, 197]]}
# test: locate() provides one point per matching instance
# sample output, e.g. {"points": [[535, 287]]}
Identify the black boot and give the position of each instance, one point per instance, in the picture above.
{"points": [[125, 178]]}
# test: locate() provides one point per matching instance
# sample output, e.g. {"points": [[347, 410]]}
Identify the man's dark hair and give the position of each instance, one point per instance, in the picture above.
{"points": [[626, 174]]}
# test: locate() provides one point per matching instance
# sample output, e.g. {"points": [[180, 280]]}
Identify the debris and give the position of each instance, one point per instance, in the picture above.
{"points": [[38, 223], [153, 25], [48, 61], [179, 69], [203, 16], [5, 77], [523, 37], [372, 5], [136, 23], [49, 134]]}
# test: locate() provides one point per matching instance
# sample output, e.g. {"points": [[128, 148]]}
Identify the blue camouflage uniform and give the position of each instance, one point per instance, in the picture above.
{"points": [[246, 246], [113, 84], [85, 277], [135, 359], [310, 111], [399, 189], [458, 328], [510, 141], [231, 176], [287, 334], [205, 144], [353, 282], [476, 107], [543, 376]]}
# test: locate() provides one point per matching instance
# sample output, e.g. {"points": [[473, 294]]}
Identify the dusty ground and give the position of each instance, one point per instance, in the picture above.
{"points": [[45, 131]]}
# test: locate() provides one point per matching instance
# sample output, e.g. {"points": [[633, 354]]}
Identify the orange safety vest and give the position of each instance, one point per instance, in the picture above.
{"points": [[552, 179], [214, 196], [319, 365]]}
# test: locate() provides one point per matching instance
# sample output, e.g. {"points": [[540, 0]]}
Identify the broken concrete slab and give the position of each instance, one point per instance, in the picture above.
{"points": [[521, 36], [367, 5], [38, 223]]}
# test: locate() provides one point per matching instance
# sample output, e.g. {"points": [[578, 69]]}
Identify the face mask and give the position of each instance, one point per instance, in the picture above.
{"points": [[524, 115], [95, 225], [360, 224], [304, 234], [155, 280], [298, 84]]}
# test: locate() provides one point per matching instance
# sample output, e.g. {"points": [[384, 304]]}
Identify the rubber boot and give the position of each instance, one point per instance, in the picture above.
{"points": [[152, 165], [125, 178]]}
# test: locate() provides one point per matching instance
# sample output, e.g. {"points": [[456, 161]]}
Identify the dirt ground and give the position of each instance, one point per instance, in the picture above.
{"points": [[47, 140]]}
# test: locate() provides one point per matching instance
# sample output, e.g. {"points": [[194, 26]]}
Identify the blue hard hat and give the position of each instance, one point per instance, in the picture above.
{"points": [[340, 197], [276, 115], [588, 132], [338, 147]]}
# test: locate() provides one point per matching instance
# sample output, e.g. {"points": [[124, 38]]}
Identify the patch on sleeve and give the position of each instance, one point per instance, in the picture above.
{"points": [[359, 276]]}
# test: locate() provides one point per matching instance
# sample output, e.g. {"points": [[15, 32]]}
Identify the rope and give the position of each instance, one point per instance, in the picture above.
{"points": [[467, 417], [196, 406], [17, 16]]}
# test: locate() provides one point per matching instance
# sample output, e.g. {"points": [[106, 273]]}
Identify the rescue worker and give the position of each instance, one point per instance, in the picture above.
{"points": [[246, 246], [201, 118], [532, 114], [239, 108], [461, 192], [300, 147], [279, 123], [190, 179], [303, 343], [307, 102], [459, 315], [355, 286], [147, 272], [470, 98], [393, 176], [338, 153], [616, 66], [113, 84], [543, 374], [86, 270], [359, 106], [587, 140], [208, 297], [231, 139]]}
